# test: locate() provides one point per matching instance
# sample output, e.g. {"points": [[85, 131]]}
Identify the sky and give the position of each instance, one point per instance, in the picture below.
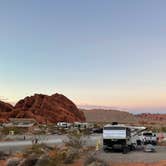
{"points": [[109, 53]]}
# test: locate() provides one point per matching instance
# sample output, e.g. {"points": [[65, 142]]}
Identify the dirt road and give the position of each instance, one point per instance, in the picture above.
{"points": [[135, 156]]}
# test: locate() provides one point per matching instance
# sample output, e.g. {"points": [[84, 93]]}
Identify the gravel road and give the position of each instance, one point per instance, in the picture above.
{"points": [[135, 156]]}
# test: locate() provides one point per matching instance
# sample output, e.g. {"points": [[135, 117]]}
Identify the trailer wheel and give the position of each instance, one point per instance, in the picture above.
{"points": [[154, 143], [105, 150], [125, 150], [132, 147]]}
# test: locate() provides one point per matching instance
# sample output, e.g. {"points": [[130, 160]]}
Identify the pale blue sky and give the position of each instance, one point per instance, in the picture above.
{"points": [[110, 52]]}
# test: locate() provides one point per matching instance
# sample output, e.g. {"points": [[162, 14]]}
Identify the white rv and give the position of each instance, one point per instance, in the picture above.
{"points": [[64, 124], [120, 137], [81, 125]]}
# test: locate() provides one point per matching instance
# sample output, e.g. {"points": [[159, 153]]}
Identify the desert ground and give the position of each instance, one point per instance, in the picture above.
{"points": [[134, 158]]}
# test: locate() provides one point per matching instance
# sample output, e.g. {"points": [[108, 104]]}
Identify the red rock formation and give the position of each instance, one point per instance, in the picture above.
{"points": [[5, 107], [43, 108], [5, 110], [48, 109], [152, 117]]}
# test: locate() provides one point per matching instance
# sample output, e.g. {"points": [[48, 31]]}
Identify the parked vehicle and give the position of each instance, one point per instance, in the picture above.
{"points": [[97, 130], [82, 125], [64, 124], [149, 137], [120, 137], [149, 148]]}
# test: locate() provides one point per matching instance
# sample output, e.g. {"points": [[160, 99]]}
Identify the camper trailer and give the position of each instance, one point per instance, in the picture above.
{"points": [[118, 136], [64, 125]]}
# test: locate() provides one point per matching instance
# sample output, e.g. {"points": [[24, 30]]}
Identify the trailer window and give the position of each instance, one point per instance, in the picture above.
{"points": [[114, 128], [147, 134]]}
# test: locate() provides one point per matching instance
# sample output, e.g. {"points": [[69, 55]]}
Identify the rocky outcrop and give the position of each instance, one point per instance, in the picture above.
{"points": [[5, 107], [148, 118], [152, 117], [5, 110], [43, 108], [47, 109], [101, 115]]}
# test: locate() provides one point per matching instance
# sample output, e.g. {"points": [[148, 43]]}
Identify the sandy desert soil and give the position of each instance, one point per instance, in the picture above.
{"points": [[81, 163], [2, 163], [136, 156], [160, 163]]}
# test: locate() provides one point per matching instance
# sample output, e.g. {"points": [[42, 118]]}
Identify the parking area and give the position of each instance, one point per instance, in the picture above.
{"points": [[135, 156]]}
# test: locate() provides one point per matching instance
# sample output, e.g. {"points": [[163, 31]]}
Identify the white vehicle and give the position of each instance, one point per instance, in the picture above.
{"points": [[81, 125], [149, 137], [120, 137], [64, 124]]}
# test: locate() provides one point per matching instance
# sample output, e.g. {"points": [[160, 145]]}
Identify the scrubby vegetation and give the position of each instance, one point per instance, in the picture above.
{"points": [[16, 130], [43, 155], [75, 139], [93, 160]]}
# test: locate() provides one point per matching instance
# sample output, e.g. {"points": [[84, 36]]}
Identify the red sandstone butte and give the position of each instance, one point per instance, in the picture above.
{"points": [[44, 108]]}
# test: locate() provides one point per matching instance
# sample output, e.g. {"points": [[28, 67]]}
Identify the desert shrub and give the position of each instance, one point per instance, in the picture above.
{"points": [[163, 129], [59, 157], [92, 160], [75, 139], [35, 150], [86, 132], [50, 157], [16, 130], [57, 160], [70, 156], [30, 161], [3, 155], [43, 161], [13, 162], [61, 131]]}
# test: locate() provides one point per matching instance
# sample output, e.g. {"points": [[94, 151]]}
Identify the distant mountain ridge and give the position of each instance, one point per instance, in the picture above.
{"points": [[152, 117], [103, 115]]}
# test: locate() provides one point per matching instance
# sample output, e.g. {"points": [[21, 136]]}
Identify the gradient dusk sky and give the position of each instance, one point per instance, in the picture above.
{"points": [[96, 52]]}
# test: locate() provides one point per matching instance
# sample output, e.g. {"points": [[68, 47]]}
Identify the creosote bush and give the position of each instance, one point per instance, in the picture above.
{"points": [[92, 160], [36, 150], [71, 155], [50, 156], [75, 139]]}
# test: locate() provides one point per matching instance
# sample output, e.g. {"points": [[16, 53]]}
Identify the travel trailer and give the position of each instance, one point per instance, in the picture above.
{"points": [[118, 136], [64, 124], [81, 125]]}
